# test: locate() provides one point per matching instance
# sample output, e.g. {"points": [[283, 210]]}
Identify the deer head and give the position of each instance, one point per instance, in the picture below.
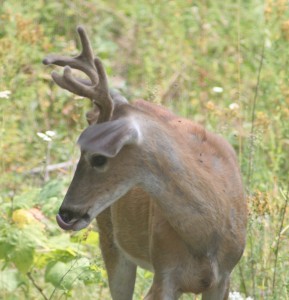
{"points": [[100, 143]]}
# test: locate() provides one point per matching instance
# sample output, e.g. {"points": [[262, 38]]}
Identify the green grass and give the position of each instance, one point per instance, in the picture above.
{"points": [[170, 52]]}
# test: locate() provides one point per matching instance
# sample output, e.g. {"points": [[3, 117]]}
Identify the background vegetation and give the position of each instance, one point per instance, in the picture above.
{"points": [[221, 63]]}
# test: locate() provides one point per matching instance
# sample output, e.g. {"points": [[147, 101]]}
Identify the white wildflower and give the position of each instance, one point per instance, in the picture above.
{"points": [[218, 89], [268, 43], [44, 137], [5, 94], [238, 296], [235, 296], [234, 106], [50, 133]]}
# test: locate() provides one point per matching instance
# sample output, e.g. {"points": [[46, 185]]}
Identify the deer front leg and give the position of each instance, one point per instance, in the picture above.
{"points": [[162, 289], [121, 272], [121, 276], [220, 292]]}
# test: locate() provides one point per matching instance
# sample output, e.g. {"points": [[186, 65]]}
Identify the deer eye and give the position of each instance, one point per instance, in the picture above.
{"points": [[98, 161]]}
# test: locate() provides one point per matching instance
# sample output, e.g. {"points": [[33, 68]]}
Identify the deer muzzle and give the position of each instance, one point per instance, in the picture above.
{"points": [[67, 221]]}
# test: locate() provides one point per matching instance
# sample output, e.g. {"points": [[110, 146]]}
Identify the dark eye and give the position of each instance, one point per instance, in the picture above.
{"points": [[98, 161]]}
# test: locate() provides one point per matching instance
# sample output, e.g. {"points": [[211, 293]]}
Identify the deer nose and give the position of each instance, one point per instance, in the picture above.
{"points": [[66, 215]]}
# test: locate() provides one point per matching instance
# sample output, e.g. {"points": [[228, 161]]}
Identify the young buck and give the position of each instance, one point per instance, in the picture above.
{"points": [[166, 193]]}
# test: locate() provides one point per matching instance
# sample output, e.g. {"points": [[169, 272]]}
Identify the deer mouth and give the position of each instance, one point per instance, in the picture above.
{"points": [[75, 224]]}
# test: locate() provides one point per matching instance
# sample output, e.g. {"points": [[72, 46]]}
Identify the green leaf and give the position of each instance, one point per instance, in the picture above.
{"points": [[23, 259], [59, 274], [51, 196], [22, 249], [86, 237], [5, 249], [54, 272], [52, 189], [26, 199], [10, 280]]}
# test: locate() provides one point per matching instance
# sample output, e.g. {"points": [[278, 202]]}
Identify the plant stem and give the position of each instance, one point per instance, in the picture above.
{"points": [[252, 131], [70, 268], [47, 162], [243, 283], [283, 212], [251, 157], [239, 77], [36, 285], [62, 278]]}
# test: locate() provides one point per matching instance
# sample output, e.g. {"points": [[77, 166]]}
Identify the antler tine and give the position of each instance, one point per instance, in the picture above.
{"points": [[83, 62], [97, 91], [87, 52], [66, 81]]}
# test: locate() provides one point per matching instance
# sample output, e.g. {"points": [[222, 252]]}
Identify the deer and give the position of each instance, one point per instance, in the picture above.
{"points": [[166, 193]]}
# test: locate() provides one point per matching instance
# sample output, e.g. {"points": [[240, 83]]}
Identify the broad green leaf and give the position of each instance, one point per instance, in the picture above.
{"points": [[9, 280], [23, 258], [5, 249], [55, 272], [61, 275], [86, 236]]}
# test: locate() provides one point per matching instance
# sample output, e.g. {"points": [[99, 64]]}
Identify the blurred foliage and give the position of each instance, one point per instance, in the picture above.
{"points": [[223, 64]]}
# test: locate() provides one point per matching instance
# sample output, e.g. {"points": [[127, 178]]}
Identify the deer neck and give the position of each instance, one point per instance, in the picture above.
{"points": [[180, 188]]}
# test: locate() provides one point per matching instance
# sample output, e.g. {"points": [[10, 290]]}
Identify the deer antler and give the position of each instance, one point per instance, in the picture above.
{"points": [[96, 90]]}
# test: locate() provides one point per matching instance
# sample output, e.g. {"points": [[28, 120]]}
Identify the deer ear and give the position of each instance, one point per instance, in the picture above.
{"points": [[108, 138]]}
